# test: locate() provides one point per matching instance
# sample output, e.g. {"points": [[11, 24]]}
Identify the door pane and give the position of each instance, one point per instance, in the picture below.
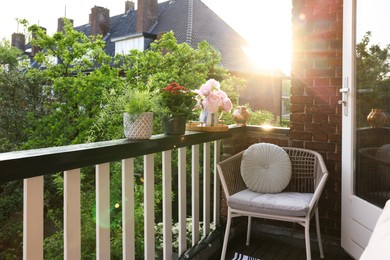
{"points": [[372, 115]]}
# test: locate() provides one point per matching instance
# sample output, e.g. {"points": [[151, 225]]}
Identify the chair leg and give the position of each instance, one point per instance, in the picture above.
{"points": [[307, 240], [226, 238], [248, 231], [319, 234]]}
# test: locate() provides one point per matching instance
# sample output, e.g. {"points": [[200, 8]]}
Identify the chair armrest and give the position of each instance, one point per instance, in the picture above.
{"points": [[229, 172]]}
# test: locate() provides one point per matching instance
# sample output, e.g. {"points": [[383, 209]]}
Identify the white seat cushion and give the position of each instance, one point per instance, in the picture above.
{"points": [[266, 168], [285, 203]]}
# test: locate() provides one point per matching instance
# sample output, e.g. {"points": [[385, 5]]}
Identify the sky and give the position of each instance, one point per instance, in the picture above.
{"points": [[265, 24]]}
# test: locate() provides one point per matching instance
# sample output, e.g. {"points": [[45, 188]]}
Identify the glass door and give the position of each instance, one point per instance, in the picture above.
{"points": [[366, 120]]}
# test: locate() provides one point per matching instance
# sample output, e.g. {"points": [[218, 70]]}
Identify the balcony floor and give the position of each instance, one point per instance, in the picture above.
{"points": [[280, 246]]}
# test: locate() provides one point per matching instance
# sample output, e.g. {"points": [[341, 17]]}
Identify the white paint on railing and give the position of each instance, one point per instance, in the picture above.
{"points": [[182, 200], [167, 204], [33, 206], [72, 216], [33, 218], [206, 189], [195, 194], [103, 211], [128, 235], [217, 182], [149, 243]]}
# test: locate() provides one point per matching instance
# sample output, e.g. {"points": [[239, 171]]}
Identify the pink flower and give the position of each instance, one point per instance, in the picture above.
{"points": [[212, 98], [212, 102], [227, 104]]}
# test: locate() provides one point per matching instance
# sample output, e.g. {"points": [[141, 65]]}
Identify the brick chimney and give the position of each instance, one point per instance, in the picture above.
{"points": [[129, 6], [146, 15], [61, 24], [99, 20], [18, 40], [35, 49]]}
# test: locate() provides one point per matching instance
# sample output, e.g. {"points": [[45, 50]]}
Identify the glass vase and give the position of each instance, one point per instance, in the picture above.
{"points": [[208, 118]]}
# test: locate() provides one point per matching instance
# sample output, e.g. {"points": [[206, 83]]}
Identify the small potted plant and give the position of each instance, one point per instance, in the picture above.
{"points": [[138, 114], [177, 104]]}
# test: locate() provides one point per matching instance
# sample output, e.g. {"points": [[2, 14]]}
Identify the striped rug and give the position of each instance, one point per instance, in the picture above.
{"points": [[238, 256]]}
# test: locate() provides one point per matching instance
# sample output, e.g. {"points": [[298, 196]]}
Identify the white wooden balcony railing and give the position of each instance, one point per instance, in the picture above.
{"points": [[33, 165]]}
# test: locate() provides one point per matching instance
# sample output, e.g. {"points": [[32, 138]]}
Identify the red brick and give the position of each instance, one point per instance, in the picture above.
{"points": [[320, 137], [322, 54], [321, 63], [335, 118], [301, 117], [295, 126], [322, 91], [321, 128], [298, 144], [322, 82], [333, 156], [336, 82], [333, 137], [320, 146], [320, 118], [301, 99], [297, 108], [321, 100], [322, 73], [320, 109], [304, 136], [297, 90]]}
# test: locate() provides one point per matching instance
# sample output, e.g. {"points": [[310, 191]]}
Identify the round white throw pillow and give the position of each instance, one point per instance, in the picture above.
{"points": [[266, 168]]}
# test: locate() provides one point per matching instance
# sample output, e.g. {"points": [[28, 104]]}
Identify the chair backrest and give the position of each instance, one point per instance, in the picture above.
{"points": [[304, 164]]}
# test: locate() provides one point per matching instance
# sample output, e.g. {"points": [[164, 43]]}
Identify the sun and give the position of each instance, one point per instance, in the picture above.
{"points": [[268, 32], [270, 56]]}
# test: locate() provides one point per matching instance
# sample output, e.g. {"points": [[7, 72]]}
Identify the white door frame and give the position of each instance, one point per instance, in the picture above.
{"points": [[358, 217]]}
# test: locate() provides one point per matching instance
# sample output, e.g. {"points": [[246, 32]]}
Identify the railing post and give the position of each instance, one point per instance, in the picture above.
{"points": [[217, 182], [149, 206], [33, 218], [103, 211], [167, 204], [195, 194], [206, 189], [72, 221], [128, 231], [182, 200]]}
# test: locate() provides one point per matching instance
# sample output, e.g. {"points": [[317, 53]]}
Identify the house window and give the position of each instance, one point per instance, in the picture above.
{"points": [[125, 45]]}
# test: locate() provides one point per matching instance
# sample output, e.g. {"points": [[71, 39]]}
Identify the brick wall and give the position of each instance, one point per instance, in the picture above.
{"points": [[316, 80]]}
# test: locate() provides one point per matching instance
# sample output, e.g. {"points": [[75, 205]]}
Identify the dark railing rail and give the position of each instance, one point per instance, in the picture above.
{"points": [[30, 163]]}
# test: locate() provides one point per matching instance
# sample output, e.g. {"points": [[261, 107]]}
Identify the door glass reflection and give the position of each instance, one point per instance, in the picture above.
{"points": [[372, 179]]}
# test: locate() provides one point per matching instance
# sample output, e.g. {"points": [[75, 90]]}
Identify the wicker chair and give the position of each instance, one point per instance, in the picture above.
{"points": [[309, 175]]}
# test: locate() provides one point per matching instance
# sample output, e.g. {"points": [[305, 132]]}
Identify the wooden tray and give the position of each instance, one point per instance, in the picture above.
{"points": [[201, 127]]}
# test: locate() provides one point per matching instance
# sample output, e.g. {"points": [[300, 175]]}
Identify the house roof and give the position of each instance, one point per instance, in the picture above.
{"points": [[192, 22]]}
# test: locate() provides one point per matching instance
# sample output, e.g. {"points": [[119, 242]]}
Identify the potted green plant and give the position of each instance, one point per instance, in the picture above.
{"points": [[177, 104], [138, 114]]}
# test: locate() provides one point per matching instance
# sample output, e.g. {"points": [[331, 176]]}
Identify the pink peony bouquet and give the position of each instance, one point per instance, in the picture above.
{"points": [[212, 99]]}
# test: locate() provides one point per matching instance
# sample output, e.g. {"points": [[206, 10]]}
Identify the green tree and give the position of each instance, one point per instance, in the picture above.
{"points": [[8, 55], [73, 101], [20, 98]]}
